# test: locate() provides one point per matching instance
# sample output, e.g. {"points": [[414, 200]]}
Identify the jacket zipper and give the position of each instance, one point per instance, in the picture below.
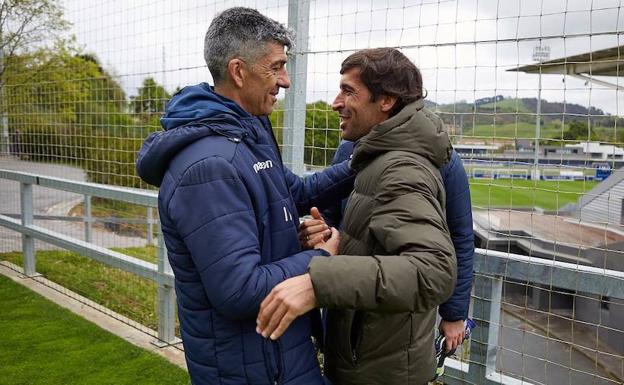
{"points": [[269, 360], [279, 155], [358, 324], [277, 348]]}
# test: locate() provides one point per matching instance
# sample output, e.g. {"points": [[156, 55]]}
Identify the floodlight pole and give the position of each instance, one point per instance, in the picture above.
{"points": [[540, 53], [538, 127]]}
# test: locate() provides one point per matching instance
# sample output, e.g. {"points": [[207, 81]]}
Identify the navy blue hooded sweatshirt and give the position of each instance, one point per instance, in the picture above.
{"points": [[229, 212]]}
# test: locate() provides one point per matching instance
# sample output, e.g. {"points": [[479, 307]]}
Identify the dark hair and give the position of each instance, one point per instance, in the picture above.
{"points": [[241, 32], [386, 71]]}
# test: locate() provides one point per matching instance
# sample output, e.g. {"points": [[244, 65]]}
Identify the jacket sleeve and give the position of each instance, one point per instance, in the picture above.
{"points": [[415, 270], [322, 188], [212, 211], [459, 219]]}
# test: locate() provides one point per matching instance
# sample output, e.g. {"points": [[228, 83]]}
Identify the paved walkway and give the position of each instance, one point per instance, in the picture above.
{"points": [[51, 202], [549, 349]]}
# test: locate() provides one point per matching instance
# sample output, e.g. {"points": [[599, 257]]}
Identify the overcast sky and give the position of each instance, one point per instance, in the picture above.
{"points": [[463, 47]]}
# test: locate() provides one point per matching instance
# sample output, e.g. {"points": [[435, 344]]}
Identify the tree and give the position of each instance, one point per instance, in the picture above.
{"points": [[73, 112], [25, 26], [578, 130], [322, 132], [151, 100]]}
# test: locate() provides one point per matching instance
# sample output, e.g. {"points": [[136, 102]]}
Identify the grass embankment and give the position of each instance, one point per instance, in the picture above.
{"points": [[524, 130], [519, 193], [43, 343], [510, 131], [122, 292], [108, 208]]}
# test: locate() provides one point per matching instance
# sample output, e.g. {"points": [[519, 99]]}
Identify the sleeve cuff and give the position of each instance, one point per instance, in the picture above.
{"points": [[322, 252]]}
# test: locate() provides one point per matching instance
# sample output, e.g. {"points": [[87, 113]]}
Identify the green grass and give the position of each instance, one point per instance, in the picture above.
{"points": [[105, 208], [508, 193], [506, 105], [120, 291], [510, 131], [43, 343], [524, 130]]}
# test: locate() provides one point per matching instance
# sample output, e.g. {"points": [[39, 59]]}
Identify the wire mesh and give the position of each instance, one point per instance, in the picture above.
{"points": [[538, 129]]}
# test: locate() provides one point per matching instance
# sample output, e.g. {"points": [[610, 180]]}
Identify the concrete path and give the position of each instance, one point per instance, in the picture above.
{"points": [[51, 202], [538, 349]]}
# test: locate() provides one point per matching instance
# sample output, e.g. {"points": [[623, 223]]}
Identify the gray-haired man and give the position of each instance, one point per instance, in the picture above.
{"points": [[229, 209]]}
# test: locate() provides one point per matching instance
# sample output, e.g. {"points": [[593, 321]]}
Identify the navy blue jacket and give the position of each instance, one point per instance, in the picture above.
{"points": [[459, 218], [229, 212]]}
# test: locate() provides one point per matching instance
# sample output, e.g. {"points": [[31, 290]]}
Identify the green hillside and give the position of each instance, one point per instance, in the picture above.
{"points": [[514, 118], [506, 106]]}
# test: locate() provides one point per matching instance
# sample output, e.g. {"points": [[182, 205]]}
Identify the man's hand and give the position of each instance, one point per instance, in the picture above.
{"points": [[330, 245], [287, 301], [453, 332], [313, 231]]}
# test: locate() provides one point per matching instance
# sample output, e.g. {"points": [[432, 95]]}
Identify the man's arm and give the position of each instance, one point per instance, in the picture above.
{"points": [[459, 218], [408, 223], [322, 188], [417, 275], [213, 213]]}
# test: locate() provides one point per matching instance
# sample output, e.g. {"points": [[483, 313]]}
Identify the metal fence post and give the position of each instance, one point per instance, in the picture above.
{"points": [[484, 340], [28, 242], [150, 226], [166, 298], [88, 219], [295, 103], [5, 145]]}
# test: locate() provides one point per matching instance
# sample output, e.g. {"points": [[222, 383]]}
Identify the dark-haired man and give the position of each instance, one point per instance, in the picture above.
{"points": [[454, 312], [396, 261], [229, 209]]}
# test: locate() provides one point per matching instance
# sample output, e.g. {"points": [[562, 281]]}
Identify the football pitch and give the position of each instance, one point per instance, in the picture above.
{"points": [[521, 193]]}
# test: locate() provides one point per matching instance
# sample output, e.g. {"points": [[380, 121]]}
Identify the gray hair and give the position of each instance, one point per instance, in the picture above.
{"points": [[237, 32]]}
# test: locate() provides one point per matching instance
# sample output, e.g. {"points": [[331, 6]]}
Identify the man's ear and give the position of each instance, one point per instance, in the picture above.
{"points": [[386, 103], [236, 71]]}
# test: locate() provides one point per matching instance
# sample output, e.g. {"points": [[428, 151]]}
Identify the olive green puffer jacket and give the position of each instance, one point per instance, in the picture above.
{"points": [[396, 262]]}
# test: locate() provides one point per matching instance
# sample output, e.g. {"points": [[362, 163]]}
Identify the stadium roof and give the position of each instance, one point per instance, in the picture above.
{"points": [[604, 62]]}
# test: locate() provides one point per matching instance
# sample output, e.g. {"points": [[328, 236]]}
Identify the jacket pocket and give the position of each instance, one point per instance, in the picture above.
{"points": [[383, 335]]}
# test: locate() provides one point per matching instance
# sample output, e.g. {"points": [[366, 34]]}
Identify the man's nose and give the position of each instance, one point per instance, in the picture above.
{"points": [[338, 103], [283, 80]]}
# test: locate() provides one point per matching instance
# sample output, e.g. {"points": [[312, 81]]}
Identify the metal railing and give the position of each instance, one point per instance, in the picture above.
{"points": [[492, 269], [160, 273]]}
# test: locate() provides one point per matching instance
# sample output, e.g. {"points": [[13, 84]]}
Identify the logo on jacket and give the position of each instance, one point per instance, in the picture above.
{"points": [[287, 215], [262, 165]]}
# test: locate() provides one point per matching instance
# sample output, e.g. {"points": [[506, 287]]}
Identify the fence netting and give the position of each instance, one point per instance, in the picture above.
{"points": [[528, 90]]}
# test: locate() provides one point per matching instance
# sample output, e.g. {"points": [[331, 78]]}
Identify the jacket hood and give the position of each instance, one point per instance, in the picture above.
{"points": [[414, 129], [195, 103], [193, 113]]}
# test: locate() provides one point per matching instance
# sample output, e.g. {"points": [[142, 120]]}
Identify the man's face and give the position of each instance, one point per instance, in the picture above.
{"points": [[358, 114], [264, 79]]}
